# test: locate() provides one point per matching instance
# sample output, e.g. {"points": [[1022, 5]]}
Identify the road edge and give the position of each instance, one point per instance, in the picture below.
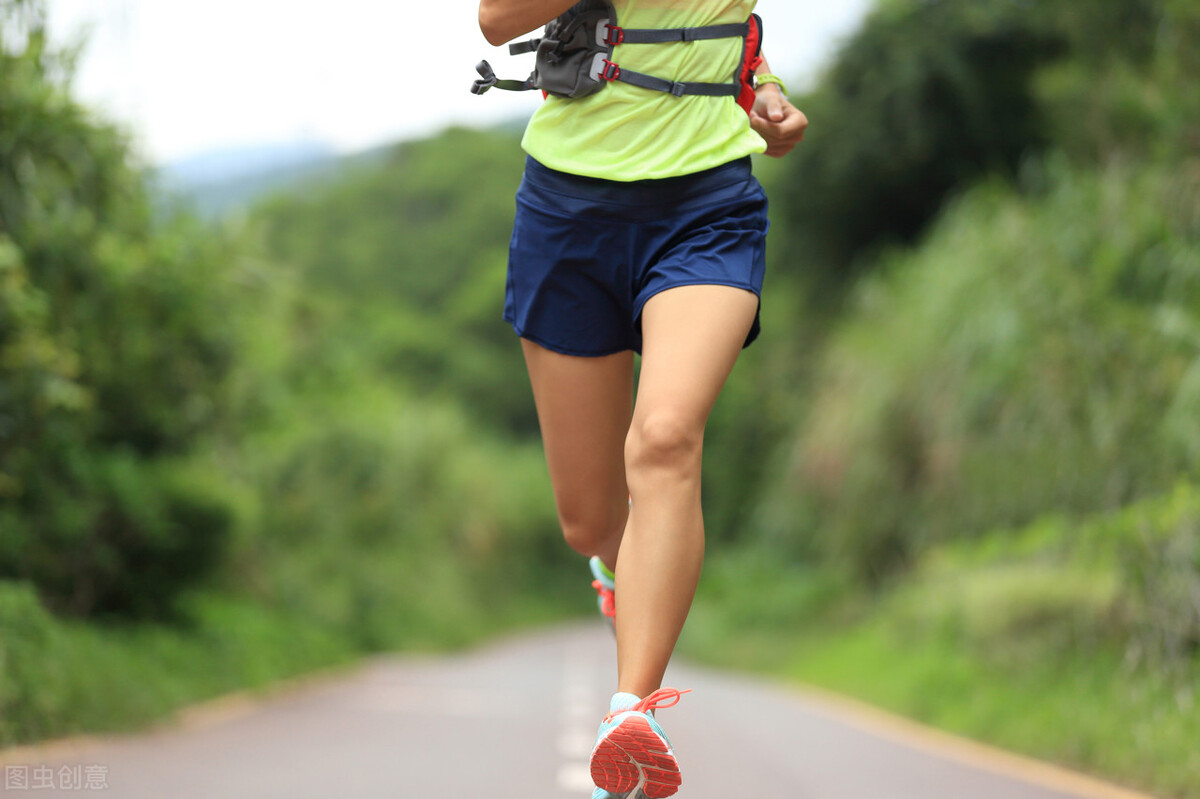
{"points": [[197, 715], [915, 735]]}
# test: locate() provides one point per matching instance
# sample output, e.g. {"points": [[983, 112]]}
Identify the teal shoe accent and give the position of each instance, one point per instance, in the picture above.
{"points": [[617, 706], [602, 572], [600, 793], [622, 701], [605, 584]]}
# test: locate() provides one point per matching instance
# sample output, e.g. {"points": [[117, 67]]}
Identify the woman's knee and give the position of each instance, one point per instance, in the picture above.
{"points": [[664, 441], [591, 533]]}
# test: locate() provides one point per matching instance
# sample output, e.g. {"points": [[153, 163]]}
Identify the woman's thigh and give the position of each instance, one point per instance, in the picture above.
{"points": [[692, 336], [584, 406]]}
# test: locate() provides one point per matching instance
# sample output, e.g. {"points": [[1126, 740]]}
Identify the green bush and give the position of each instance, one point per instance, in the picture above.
{"points": [[63, 676], [31, 664], [1160, 562], [1123, 581], [141, 531], [1034, 356], [1127, 93], [398, 521], [1016, 612]]}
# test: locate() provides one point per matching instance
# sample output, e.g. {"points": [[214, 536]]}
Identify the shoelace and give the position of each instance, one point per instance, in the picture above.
{"points": [[608, 599], [659, 700]]}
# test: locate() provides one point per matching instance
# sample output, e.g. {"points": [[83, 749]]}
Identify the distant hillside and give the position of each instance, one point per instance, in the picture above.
{"points": [[228, 180], [220, 165], [217, 183]]}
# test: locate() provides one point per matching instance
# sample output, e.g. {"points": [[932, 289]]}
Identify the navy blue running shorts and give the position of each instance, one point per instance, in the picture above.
{"points": [[587, 253]]}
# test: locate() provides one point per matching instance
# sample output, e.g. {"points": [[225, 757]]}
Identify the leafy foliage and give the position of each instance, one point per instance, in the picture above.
{"points": [[418, 245], [985, 380], [932, 95], [924, 98], [277, 417], [114, 355]]}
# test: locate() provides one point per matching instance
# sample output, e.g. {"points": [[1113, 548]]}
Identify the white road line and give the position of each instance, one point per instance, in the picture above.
{"points": [[580, 711], [576, 743]]}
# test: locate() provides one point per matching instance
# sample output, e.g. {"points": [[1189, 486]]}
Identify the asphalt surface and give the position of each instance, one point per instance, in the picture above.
{"points": [[516, 720]]}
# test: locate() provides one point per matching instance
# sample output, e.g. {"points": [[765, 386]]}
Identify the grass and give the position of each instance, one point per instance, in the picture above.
{"points": [[1089, 711], [61, 677]]}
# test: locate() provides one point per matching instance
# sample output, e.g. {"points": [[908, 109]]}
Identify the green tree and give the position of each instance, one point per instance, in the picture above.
{"points": [[113, 351], [409, 256], [922, 100]]}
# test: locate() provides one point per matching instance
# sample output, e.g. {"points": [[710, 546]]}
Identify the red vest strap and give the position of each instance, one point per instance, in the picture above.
{"points": [[751, 61]]}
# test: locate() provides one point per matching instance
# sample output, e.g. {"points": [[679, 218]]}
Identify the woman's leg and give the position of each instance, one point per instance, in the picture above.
{"points": [[584, 407], [691, 339]]}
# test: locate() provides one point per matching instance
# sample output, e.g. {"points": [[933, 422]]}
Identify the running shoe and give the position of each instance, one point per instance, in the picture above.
{"points": [[632, 752], [605, 584]]}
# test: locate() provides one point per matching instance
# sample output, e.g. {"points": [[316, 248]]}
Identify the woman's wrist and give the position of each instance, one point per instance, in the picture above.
{"points": [[767, 79]]}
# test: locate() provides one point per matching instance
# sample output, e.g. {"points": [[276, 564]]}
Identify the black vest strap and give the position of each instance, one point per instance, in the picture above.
{"points": [[677, 88], [735, 30], [527, 46]]}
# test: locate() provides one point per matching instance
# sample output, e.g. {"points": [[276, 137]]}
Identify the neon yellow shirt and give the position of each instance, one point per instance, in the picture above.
{"points": [[626, 133]]}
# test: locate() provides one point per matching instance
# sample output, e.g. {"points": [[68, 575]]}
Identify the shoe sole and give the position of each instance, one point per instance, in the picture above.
{"points": [[633, 754]]}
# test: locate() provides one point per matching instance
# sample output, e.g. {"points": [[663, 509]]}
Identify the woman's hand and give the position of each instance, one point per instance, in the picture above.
{"points": [[777, 121], [503, 20]]}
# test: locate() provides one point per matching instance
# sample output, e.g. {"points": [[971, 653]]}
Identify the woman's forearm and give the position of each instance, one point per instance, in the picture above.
{"points": [[502, 20], [763, 67]]}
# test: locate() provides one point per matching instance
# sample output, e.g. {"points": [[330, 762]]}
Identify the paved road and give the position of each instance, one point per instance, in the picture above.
{"points": [[515, 720]]}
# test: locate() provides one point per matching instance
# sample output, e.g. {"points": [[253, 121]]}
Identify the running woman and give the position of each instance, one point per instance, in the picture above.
{"points": [[639, 229]]}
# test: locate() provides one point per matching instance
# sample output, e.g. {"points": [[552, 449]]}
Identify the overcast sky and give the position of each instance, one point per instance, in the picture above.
{"points": [[188, 77]]}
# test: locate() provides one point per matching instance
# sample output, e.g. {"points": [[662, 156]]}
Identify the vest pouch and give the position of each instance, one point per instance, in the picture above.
{"points": [[571, 53]]}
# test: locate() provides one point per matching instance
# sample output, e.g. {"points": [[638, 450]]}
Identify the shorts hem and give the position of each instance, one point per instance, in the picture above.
{"points": [[561, 350], [637, 311]]}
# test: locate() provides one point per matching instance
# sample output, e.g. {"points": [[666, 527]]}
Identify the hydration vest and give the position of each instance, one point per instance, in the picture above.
{"points": [[574, 56]]}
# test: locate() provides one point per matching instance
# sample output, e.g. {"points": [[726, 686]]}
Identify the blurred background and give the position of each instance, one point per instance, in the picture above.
{"points": [[259, 414]]}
